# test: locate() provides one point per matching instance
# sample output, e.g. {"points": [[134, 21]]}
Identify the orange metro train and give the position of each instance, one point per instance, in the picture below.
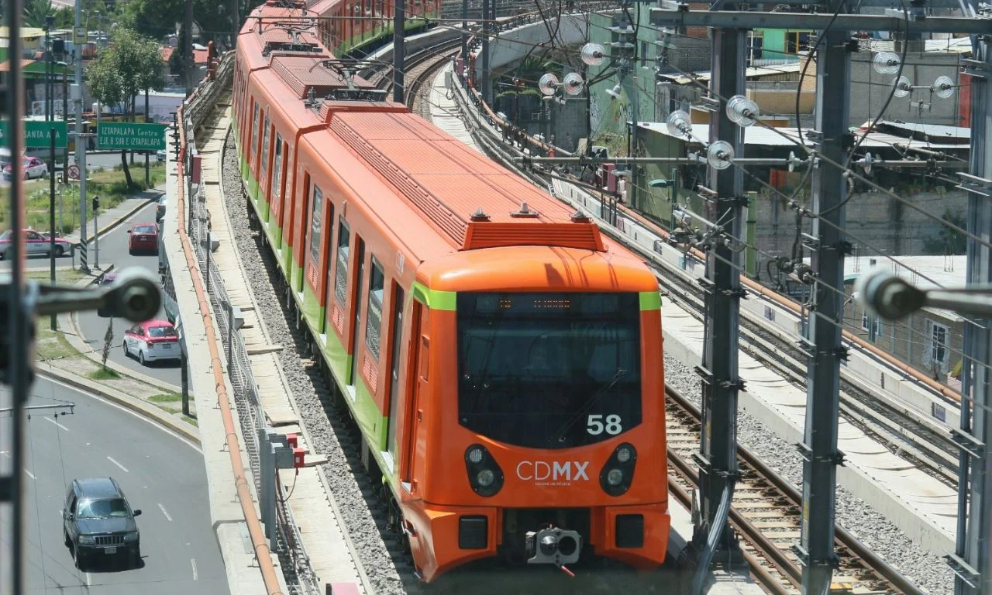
{"points": [[502, 359]]}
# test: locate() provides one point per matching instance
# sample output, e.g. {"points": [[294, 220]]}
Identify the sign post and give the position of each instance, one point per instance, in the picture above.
{"points": [[130, 136]]}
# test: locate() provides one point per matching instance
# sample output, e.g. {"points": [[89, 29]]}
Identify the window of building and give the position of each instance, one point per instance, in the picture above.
{"points": [[939, 347], [755, 42], [798, 41], [373, 321], [935, 350]]}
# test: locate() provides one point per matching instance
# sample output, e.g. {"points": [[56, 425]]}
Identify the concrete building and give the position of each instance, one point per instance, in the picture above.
{"points": [[930, 340]]}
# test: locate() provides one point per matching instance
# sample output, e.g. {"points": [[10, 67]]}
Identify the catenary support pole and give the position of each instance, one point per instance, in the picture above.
{"points": [[465, 31], [486, 27], [826, 317], [19, 363], [977, 555], [399, 48], [721, 382], [80, 141]]}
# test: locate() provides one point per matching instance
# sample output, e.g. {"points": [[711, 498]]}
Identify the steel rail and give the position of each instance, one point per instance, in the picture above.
{"points": [[872, 560]]}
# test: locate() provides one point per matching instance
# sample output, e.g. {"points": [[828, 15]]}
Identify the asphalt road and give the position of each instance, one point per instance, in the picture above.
{"points": [[94, 161], [113, 250], [160, 474]]}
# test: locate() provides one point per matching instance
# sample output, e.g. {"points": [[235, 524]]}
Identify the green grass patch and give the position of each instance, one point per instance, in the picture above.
{"points": [[166, 398], [191, 420], [62, 276], [109, 184], [102, 373], [51, 344]]}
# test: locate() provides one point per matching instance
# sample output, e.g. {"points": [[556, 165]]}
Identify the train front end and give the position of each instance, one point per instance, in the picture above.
{"points": [[545, 433]]}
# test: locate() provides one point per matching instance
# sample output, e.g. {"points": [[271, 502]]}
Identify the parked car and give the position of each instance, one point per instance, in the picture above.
{"points": [[31, 167], [160, 156], [151, 341], [97, 521], [36, 244], [143, 237]]}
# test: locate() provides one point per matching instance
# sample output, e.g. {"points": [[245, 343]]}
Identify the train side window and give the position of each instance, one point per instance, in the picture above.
{"points": [[253, 133], [316, 210], [265, 148], [328, 310], [341, 274], [373, 320], [277, 173]]}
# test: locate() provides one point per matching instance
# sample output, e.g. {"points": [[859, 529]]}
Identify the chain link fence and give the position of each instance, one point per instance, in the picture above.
{"points": [[295, 562]]}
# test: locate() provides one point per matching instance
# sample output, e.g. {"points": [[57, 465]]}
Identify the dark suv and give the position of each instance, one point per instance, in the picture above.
{"points": [[97, 521]]}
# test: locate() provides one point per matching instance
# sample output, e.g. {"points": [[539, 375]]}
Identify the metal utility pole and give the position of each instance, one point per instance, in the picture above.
{"points": [[465, 31], [188, 47], [486, 22], [80, 141], [147, 175], [236, 21], [51, 214], [399, 48], [823, 337], [18, 370], [721, 382], [48, 67], [972, 561], [628, 71]]}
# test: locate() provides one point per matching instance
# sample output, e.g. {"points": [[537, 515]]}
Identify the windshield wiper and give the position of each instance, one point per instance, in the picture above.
{"points": [[559, 434]]}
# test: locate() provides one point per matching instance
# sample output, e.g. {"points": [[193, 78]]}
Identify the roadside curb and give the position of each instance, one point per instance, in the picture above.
{"points": [[150, 412]]}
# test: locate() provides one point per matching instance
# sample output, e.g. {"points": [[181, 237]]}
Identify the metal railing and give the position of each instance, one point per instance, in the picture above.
{"points": [[295, 561]]}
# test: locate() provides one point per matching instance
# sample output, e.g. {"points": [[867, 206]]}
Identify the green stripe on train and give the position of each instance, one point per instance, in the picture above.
{"points": [[434, 299], [650, 300]]}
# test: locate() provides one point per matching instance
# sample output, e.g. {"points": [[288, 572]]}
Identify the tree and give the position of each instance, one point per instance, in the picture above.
{"points": [[129, 66], [153, 18]]}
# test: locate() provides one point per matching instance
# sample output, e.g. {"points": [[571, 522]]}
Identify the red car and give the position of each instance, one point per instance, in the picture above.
{"points": [[151, 341], [144, 238]]}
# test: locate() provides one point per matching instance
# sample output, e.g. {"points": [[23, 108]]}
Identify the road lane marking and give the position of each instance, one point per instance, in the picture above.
{"points": [[29, 473], [118, 464], [193, 562], [57, 423], [5, 453], [165, 512], [88, 580]]}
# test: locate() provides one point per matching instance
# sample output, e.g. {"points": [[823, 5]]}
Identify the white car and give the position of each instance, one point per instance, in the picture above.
{"points": [[32, 167]]}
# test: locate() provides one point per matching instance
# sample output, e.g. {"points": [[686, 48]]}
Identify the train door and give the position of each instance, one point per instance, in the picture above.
{"points": [[419, 376], [358, 310], [396, 332]]}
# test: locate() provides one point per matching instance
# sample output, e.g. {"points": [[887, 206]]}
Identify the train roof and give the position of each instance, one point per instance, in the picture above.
{"points": [[470, 201]]}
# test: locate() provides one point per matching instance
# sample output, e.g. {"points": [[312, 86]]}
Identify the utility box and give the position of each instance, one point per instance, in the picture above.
{"points": [[197, 163], [298, 457]]}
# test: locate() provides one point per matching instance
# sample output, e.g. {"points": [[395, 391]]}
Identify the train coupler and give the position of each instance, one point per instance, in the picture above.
{"points": [[553, 545]]}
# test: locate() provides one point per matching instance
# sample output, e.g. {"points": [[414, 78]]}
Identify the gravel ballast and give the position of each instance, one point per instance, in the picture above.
{"points": [[927, 570]]}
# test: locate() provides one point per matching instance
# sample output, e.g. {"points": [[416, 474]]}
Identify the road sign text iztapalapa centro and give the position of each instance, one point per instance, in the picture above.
{"points": [[128, 135]]}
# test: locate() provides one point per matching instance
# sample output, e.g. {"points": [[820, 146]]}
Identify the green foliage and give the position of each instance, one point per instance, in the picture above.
{"points": [[104, 374], [151, 18], [948, 241], [131, 64]]}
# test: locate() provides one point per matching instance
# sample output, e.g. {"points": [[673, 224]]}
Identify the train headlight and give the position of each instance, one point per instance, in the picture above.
{"points": [[485, 478], [484, 473], [618, 472]]}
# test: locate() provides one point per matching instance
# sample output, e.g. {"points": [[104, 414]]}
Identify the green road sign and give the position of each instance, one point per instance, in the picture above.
{"points": [[36, 134], [128, 135]]}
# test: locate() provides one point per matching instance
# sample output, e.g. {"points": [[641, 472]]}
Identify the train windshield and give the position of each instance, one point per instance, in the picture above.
{"points": [[549, 370]]}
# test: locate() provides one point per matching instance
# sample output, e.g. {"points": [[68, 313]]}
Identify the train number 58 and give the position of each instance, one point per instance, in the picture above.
{"points": [[595, 425]]}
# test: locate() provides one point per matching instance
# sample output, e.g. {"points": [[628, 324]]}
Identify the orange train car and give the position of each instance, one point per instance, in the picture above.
{"points": [[502, 359]]}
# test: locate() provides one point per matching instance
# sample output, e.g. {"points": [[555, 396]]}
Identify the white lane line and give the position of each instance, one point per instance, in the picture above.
{"points": [[118, 464], [31, 475], [165, 512], [193, 562], [88, 580], [5, 453], [57, 423]]}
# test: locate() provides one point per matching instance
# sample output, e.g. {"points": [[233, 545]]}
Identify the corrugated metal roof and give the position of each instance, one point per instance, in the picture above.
{"points": [[305, 72]]}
